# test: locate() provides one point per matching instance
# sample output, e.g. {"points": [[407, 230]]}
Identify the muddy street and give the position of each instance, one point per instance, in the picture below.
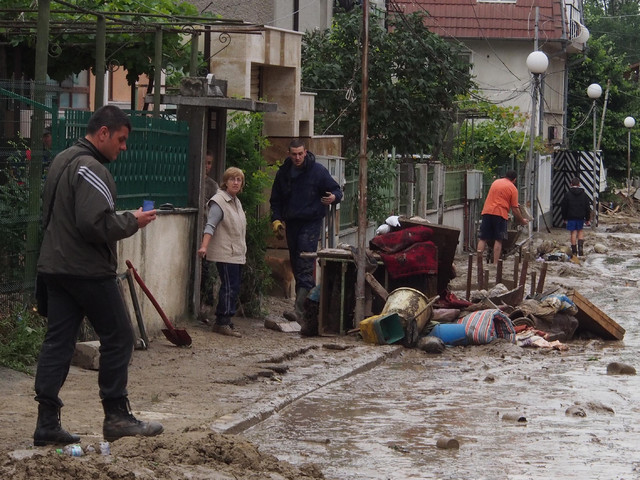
{"points": [[276, 405]]}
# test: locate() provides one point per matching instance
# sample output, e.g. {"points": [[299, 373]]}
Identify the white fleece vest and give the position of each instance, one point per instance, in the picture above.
{"points": [[228, 244]]}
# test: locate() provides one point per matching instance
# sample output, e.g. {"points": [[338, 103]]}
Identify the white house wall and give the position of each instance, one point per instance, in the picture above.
{"points": [[500, 70]]}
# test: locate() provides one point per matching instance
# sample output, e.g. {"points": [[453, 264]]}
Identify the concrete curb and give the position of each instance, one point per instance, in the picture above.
{"points": [[238, 422]]}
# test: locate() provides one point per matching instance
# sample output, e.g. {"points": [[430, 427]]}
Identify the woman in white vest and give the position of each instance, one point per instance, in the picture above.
{"points": [[224, 242]]}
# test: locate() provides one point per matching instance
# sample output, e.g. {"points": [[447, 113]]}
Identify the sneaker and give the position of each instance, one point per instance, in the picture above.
{"points": [[225, 330]]}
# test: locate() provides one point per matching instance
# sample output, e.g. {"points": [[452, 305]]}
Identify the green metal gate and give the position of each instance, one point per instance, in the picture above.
{"points": [[154, 166]]}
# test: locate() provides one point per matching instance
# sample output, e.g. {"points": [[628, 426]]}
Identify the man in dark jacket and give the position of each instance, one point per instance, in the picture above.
{"points": [[301, 193], [78, 264], [576, 211]]}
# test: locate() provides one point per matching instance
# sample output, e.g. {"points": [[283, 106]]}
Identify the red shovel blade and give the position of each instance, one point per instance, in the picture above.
{"points": [[177, 336]]}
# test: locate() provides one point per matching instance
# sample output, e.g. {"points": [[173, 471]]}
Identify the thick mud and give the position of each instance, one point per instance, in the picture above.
{"points": [[276, 405]]}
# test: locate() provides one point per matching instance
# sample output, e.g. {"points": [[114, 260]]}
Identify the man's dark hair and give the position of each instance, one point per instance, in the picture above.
{"points": [[575, 181], [511, 175], [296, 142], [108, 116]]}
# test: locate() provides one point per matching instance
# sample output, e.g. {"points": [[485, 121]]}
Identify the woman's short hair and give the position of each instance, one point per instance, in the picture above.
{"points": [[232, 172]]}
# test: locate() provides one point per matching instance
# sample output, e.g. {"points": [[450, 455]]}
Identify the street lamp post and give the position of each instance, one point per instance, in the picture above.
{"points": [[594, 91], [629, 122], [537, 63]]}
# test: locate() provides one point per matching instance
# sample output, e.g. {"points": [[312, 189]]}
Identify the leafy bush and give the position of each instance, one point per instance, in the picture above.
{"points": [[245, 143], [14, 198], [21, 335]]}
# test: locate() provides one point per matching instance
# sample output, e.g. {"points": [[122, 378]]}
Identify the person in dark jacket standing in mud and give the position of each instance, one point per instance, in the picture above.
{"points": [[78, 264], [576, 211], [302, 191]]}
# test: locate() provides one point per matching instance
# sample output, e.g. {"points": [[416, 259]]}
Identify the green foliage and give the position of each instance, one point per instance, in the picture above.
{"points": [[619, 21], [494, 138], [606, 66], [414, 77], [21, 335], [128, 44], [245, 143], [381, 172], [14, 200]]}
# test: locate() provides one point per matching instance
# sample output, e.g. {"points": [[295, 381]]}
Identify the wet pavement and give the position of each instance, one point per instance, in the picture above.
{"points": [[383, 423]]}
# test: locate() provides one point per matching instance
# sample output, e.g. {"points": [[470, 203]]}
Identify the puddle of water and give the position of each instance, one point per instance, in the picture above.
{"points": [[384, 423]]}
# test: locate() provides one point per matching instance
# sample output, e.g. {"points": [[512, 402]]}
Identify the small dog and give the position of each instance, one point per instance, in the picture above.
{"points": [[282, 274]]}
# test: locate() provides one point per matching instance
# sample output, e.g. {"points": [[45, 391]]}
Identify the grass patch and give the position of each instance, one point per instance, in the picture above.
{"points": [[21, 335]]}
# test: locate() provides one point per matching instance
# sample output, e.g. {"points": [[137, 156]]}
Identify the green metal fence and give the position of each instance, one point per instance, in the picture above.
{"points": [[454, 189], [154, 166]]}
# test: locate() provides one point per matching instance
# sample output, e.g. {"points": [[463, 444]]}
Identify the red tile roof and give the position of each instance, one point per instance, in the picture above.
{"points": [[488, 19]]}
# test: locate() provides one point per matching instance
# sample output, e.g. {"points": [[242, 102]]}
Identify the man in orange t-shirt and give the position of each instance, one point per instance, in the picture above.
{"points": [[502, 196]]}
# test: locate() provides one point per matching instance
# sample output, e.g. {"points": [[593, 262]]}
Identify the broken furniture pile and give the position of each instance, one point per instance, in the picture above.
{"points": [[546, 319]]}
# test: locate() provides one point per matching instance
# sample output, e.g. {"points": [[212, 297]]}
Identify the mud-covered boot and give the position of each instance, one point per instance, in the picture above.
{"points": [[48, 429], [119, 421], [581, 248], [298, 314], [309, 324], [574, 250]]}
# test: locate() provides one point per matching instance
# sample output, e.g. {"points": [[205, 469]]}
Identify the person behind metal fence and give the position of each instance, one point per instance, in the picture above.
{"points": [[224, 242], [502, 196], [206, 279], [78, 263], [576, 212], [302, 190]]}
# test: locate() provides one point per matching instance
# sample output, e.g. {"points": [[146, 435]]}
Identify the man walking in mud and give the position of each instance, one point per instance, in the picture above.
{"points": [[302, 191], [502, 196], [78, 265], [576, 212]]}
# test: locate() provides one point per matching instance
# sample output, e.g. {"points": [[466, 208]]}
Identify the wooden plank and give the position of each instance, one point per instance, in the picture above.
{"points": [[376, 286], [594, 320]]}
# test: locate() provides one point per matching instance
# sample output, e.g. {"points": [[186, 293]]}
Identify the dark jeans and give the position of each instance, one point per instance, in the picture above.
{"points": [[230, 276], [303, 237], [70, 300]]}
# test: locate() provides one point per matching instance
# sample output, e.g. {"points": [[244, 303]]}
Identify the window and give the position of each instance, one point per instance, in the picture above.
{"points": [[74, 91]]}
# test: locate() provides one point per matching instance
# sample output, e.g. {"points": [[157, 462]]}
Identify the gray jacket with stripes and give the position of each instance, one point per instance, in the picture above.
{"points": [[83, 227]]}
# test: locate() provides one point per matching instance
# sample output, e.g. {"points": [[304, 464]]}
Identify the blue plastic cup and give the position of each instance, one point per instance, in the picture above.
{"points": [[148, 205]]}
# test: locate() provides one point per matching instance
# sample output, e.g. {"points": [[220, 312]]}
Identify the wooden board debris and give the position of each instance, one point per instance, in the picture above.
{"points": [[594, 320]]}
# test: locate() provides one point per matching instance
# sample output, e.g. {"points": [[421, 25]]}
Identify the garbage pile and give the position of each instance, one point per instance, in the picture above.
{"points": [[548, 320]]}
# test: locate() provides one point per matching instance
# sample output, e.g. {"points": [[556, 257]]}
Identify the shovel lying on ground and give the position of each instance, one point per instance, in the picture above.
{"points": [[177, 336]]}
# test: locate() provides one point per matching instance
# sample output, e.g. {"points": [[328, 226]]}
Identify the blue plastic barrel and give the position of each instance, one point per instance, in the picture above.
{"points": [[450, 333]]}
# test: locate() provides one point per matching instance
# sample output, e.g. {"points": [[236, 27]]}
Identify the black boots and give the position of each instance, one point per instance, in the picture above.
{"points": [[48, 429], [581, 248], [120, 422], [298, 314], [309, 323], [574, 250]]}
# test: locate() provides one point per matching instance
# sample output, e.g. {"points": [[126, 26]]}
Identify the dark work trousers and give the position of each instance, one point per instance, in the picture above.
{"points": [[302, 237], [70, 300], [230, 276], [206, 283]]}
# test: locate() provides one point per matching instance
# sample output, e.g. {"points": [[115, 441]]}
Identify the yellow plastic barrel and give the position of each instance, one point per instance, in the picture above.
{"points": [[414, 309]]}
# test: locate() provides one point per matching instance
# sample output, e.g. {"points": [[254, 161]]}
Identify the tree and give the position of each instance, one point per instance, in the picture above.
{"points": [[619, 21], [491, 136], [414, 77], [245, 144], [130, 37], [605, 65]]}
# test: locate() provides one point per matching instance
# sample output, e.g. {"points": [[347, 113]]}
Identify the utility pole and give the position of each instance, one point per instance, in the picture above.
{"points": [[362, 199]]}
